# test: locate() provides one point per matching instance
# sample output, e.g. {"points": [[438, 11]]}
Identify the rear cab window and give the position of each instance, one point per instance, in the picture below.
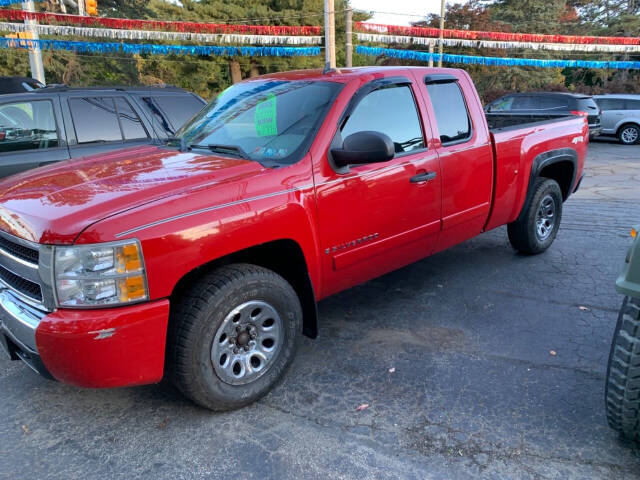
{"points": [[28, 125], [450, 108]]}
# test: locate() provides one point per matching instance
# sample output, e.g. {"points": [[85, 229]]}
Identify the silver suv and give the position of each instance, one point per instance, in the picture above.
{"points": [[620, 116]]}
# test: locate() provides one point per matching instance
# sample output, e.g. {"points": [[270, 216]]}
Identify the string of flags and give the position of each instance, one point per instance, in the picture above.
{"points": [[493, 61], [175, 26], [494, 44], [6, 3], [156, 49], [497, 36], [65, 30]]}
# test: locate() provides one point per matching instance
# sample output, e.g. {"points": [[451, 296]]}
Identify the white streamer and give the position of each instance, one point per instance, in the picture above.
{"points": [[231, 38], [454, 42]]}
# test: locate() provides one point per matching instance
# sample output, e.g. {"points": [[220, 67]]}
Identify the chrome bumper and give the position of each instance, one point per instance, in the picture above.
{"points": [[18, 324]]}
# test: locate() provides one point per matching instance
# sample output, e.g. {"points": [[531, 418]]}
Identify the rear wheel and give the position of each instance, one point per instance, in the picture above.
{"points": [[629, 134], [538, 224], [233, 334], [622, 388]]}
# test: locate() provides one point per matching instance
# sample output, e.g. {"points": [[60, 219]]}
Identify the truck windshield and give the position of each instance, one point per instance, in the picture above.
{"points": [[269, 121]]}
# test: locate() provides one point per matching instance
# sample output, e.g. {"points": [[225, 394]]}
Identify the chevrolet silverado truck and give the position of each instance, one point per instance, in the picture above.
{"points": [[203, 260]]}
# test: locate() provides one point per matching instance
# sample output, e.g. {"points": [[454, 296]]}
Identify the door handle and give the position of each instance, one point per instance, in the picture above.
{"points": [[423, 177]]}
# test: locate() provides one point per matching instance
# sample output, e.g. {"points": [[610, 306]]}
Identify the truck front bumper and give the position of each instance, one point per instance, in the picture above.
{"points": [[112, 347]]}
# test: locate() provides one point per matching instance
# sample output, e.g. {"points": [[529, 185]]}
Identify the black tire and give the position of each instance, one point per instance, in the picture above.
{"points": [[629, 134], [622, 387], [523, 233], [197, 319]]}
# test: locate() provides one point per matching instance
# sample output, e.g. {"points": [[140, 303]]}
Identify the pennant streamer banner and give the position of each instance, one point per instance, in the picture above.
{"points": [[6, 3], [452, 42], [129, 24], [498, 36], [494, 61], [142, 48], [164, 36]]}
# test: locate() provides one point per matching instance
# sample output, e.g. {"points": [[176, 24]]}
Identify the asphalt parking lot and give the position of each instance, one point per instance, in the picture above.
{"points": [[475, 363]]}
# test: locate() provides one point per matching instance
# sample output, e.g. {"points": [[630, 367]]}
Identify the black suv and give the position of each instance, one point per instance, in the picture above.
{"points": [[548, 105], [58, 123]]}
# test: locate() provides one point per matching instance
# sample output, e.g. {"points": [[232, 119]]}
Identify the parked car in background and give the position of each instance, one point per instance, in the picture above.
{"points": [[542, 106], [59, 123], [18, 84], [620, 116]]}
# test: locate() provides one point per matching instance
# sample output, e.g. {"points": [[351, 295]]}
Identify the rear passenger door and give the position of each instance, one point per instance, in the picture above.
{"points": [[466, 156], [30, 134], [102, 123], [612, 112]]}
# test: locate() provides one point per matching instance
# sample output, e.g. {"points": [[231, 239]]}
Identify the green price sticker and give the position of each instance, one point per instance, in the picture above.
{"points": [[265, 118]]}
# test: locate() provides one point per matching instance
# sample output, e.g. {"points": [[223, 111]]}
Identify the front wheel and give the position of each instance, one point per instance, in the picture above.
{"points": [[629, 134], [537, 226], [622, 387], [233, 335]]}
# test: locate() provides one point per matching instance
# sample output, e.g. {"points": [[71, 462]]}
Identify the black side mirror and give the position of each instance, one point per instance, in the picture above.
{"points": [[364, 147]]}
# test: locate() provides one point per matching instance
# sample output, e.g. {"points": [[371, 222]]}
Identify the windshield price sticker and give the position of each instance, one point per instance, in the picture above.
{"points": [[265, 118]]}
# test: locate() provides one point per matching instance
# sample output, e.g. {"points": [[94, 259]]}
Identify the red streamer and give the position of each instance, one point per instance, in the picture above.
{"points": [[129, 24], [500, 36]]}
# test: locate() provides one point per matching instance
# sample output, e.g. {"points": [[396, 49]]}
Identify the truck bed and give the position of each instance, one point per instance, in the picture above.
{"points": [[515, 148], [498, 121]]}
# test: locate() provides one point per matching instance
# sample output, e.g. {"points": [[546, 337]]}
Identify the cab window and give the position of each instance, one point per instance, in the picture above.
{"points": [[390, 110]]}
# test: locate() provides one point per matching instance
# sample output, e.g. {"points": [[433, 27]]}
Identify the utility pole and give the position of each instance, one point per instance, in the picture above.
{"points": [[442, 5], [81, 10], [35, 54], [431, 53], [349, 39], [330, 33]]}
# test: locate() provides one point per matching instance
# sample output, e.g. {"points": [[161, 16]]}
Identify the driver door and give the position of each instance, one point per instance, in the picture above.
{"points": [[377, 217]]}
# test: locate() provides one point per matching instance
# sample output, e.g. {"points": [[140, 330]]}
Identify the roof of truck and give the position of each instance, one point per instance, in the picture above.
{"points": [[344, 74]]}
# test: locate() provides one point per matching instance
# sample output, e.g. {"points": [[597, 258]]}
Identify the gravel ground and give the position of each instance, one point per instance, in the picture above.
{"points": [[476, 391]]}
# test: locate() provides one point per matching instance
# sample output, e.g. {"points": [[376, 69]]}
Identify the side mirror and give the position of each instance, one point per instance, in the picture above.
{"points": [[364, 147]]}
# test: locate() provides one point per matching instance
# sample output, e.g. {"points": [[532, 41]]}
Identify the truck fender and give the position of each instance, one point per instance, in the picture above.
{"points": [[542, 166]]}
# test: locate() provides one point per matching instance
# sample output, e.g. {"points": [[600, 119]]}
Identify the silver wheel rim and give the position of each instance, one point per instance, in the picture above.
{"points": [[546, 217], [246, 343], [629, 135]]}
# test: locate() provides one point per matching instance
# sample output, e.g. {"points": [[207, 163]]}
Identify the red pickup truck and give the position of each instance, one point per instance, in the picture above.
{"points": [[203, 259]]}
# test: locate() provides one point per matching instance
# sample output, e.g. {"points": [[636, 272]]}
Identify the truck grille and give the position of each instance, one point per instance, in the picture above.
{"points": [[20, 251], [20, 264], [22, 285]]}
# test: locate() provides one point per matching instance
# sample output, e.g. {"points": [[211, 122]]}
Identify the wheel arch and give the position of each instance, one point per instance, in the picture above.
{"points": [[283, 256], [560, 165]]}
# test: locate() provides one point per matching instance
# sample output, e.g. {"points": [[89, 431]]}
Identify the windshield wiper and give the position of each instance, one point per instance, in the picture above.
{"points": [[183, 144], [234, 150]]}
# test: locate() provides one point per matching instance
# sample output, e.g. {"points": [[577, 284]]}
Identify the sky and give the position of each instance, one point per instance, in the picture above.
{"points": [[397, 12]]}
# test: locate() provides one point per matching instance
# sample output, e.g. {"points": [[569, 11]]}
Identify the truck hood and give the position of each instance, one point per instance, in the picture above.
{"points": [[54, 204]]}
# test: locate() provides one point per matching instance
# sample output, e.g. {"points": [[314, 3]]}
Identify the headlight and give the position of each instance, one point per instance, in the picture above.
{"points": [[101, 274]]}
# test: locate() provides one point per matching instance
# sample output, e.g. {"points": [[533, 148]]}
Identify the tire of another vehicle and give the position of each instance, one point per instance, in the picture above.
{"points": [[622, 387], [203, 330], [629, 134], [537, 226]]}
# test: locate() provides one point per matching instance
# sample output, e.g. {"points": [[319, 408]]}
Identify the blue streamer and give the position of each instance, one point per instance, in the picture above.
{"points": [[6, 3], [493, 61], [155, 49]]}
